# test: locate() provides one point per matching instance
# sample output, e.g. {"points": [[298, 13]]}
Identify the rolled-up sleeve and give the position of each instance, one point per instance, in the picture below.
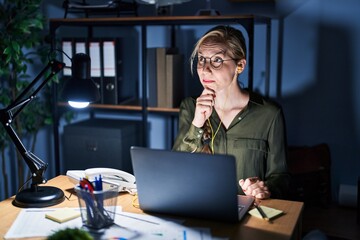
{"points": [[189, 137]]}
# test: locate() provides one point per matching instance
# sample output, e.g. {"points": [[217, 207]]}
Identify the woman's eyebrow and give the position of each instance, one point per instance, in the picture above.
{"points": [[220, 52]]}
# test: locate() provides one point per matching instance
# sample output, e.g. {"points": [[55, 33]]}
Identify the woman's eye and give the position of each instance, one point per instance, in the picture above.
{"points": [[217, 60], [201, 59]]}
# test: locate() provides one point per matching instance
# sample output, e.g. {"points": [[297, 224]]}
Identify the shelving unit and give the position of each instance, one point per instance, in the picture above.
{"points": [[246, 21]]}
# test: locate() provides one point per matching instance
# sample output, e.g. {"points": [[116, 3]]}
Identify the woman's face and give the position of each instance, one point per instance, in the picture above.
{"points": [[215, 68]]}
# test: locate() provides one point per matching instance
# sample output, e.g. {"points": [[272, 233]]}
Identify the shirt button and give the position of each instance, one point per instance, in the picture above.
{"points": [[240, 118], [200, 131], [198, 136]]}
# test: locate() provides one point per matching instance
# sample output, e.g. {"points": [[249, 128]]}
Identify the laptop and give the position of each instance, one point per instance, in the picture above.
{"points": [[187, 184]]}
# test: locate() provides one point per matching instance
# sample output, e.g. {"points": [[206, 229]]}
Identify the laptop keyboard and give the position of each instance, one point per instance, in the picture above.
{"points": [[241, 211], [240, 208]]}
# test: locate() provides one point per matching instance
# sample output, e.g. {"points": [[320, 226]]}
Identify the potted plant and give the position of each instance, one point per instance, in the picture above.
{"points": [[22, 41]]}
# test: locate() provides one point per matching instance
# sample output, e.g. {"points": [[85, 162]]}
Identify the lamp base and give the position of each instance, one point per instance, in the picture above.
{"points": [[38, 197]]}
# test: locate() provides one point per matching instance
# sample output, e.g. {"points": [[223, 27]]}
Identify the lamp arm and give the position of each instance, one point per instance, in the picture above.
{"points": [[36, 165], [18, 103]]}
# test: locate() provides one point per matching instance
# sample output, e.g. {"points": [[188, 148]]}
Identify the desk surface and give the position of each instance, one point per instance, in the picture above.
{"points": [[287, 226]]}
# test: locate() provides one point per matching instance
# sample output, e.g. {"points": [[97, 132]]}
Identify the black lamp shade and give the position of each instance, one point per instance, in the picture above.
{"points": [[80, 87]]}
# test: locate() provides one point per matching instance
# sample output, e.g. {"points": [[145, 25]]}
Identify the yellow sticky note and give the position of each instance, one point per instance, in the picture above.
{"points": [[63, 215], [269, 212]]}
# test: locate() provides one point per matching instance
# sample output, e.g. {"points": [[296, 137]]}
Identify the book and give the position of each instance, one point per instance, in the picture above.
{"points": [[174, 80], [156, 70], [151, 71], [161, 76]]}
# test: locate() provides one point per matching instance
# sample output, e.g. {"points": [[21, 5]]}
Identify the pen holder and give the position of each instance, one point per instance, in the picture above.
{"points": [[98, 207]]}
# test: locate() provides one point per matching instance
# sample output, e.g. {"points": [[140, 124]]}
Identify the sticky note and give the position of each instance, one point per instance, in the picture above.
{"points": [[63, 215], [269, 212]]}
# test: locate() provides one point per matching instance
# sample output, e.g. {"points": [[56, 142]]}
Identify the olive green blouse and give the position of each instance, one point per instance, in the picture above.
{"points": [[256, 137]]}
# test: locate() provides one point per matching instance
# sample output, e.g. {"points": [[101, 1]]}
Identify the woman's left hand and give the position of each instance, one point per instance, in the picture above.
{"points": [[255, 187]]}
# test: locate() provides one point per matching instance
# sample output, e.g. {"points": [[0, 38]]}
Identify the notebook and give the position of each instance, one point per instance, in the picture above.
{"points": [[187, 184]]}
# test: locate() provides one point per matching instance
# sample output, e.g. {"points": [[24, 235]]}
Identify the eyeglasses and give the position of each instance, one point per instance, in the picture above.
{"points": [[215, 62]]}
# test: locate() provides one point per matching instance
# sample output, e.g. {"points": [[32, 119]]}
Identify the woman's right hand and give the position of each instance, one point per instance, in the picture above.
{"points": [[204, 107]]}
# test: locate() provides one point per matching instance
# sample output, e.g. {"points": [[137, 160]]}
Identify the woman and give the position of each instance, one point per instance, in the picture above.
{"points": [[226, 119]]}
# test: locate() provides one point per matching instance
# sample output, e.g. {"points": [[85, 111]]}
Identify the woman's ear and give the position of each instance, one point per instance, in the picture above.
{"points": [[240, 66]]}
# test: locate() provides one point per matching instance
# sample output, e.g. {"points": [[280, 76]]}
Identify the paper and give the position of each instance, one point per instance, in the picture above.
{"points": [[150, 227], [270, 212], [63, 215], [31, 222], [127, 226]]}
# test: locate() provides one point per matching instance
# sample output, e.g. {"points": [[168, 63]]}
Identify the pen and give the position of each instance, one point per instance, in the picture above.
{"points": [[262, 213]]}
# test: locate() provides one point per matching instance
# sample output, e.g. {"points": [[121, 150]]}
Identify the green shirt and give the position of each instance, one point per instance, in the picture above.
{"points": [[256, 137]]}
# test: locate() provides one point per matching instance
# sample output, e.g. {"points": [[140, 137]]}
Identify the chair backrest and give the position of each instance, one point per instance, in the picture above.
{"points": [[311, 176]]}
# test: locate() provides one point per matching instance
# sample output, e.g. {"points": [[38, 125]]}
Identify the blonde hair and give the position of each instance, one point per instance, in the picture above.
{"points": [[230, 37]]}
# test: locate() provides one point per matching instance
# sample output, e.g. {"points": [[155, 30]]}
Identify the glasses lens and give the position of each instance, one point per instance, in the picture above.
{"points": [[216, 62], [201, 61]]}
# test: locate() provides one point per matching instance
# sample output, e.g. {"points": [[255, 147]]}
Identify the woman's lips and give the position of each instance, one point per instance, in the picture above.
{"points": [[208, 81]]}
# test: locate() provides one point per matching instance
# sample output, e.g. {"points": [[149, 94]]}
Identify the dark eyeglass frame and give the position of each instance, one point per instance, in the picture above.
{"points": [[202, 63]]}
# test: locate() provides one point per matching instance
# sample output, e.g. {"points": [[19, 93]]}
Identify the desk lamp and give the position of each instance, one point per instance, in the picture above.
{"points": [[44, 196]]}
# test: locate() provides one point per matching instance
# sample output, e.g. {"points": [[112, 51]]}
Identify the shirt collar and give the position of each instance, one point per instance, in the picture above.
{"points": [[255, 98]]}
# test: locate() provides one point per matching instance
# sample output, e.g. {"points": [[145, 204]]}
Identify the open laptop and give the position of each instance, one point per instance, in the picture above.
{"points": [[188, 184]]}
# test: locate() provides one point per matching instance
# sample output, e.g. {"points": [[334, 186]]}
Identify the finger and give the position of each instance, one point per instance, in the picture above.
{"points": [[248, 182], [260, 195], [263, 195], [208, 91], [253, 179], [241, 182], [256, 191], [206, 100]]}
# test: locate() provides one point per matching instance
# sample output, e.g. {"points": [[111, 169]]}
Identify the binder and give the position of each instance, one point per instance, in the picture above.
{"points": [[106, 64], [95, 70], [109, 70], [67, 48], [80, 46]]}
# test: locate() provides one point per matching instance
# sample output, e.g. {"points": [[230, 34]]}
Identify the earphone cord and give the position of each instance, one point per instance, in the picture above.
{"points": [[213, 135]]}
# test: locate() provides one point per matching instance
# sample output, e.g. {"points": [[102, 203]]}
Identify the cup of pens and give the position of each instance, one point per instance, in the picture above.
{"points": [[97, 201]]}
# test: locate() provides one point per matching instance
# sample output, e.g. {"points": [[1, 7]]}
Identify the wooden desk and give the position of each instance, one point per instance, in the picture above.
{"points": [[288, 226]]}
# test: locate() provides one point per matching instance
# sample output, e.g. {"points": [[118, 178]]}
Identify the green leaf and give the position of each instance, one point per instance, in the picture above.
{"points": [[16, 47]]}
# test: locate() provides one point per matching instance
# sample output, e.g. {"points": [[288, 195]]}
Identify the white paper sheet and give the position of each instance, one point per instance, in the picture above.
{"points": [[32, 223]]}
